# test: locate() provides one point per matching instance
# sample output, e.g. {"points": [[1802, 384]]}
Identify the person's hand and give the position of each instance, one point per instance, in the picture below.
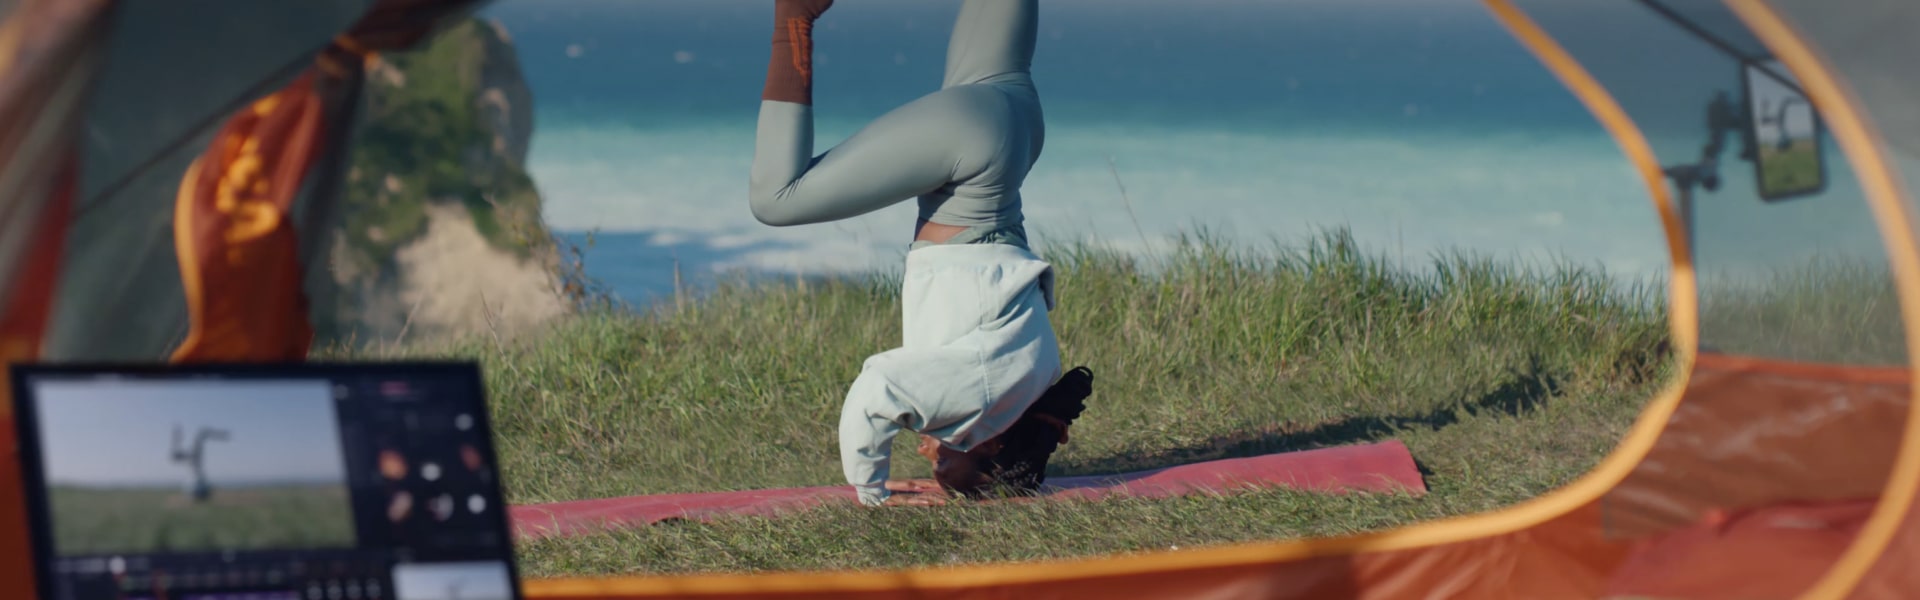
{"points": [[915, 492], [808, 9], [914, 500], [915, 486]]}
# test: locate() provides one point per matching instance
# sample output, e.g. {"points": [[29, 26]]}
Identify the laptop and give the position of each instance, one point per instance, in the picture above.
{"points": [[263, 482]]}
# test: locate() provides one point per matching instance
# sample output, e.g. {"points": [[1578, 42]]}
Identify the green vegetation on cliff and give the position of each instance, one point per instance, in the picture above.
{"points": [[427, 138]]}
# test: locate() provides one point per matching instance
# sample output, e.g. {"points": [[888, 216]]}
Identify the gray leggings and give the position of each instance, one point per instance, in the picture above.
{"points": [[964, 150]]}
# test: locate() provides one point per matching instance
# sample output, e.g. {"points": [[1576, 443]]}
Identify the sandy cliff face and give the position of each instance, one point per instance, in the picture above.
{"points": [[441, 232]]}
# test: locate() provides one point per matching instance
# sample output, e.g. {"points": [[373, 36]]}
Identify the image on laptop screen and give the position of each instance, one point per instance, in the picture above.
{"points": [[300, 482]]}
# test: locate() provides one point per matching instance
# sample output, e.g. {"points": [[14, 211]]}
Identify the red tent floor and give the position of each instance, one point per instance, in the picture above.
{"points": [[1378, 467], [1762, 552]]}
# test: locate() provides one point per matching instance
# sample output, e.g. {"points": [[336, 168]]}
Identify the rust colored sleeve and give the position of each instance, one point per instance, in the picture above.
{"points": [[790, 68]]}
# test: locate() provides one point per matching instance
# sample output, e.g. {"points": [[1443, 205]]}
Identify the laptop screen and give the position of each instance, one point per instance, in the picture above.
{"points": [[296, 482]]}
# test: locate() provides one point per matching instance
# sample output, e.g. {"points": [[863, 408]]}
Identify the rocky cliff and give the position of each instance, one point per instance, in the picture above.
{"points": [[440, 232]]}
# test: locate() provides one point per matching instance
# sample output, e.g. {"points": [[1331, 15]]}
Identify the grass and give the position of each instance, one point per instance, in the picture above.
{"points": [[140, 520], [1793, 170], [1826, 309], [1505, 380]]}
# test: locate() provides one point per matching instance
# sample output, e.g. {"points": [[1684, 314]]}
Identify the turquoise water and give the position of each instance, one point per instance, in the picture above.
{"points": [[1422, 126]]}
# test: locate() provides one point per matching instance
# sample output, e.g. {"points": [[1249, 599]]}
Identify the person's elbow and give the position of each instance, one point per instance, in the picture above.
{"points": [[775, 218], [765, 202]]}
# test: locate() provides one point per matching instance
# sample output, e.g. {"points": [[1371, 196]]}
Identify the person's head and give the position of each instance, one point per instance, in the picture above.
{"points": [[1017, 458], [1015, 461], [967, 473]]}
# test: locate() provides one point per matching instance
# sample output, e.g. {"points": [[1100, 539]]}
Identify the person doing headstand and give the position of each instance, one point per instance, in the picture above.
{"points": [[978, 373]]}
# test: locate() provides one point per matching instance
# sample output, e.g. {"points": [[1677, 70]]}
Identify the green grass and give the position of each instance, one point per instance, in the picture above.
{"points": [[1826, 309], [1506, 381], [136, 520], [1792, 170]]}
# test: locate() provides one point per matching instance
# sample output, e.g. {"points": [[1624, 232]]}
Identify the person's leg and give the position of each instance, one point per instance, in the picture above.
{"points": [[993, 40], [913, 150]]}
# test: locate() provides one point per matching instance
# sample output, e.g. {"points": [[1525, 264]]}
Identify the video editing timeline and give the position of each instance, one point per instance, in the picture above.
{"points": [[299, 483]]}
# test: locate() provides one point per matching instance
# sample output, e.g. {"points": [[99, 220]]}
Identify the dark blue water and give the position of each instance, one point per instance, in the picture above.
{"points": [[1231, 64]]}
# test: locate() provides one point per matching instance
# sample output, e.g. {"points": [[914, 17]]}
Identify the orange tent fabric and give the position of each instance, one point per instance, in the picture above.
{"points": [[48, 53], [1858, 72], [238, 255], [21, 327], [1717, 557], [23, 310], [238, 251]]}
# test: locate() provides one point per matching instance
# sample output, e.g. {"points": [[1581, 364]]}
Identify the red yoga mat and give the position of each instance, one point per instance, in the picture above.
{"points": [[1377, 467]]}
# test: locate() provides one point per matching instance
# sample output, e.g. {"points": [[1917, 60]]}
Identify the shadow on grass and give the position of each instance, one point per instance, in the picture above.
{"points": [[1525, 391]]}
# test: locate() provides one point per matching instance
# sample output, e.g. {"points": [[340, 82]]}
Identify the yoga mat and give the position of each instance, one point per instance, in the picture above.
{"points": [[1377, 467]]}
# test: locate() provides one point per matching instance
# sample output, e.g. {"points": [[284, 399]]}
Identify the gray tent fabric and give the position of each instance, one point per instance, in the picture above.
{"points": [[237, 50], [1872, 45], [1664, 62], [1712, 18], [120, 294]]}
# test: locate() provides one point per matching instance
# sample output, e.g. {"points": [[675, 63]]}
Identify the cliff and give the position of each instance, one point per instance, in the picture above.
{"points": [[440, 231]]}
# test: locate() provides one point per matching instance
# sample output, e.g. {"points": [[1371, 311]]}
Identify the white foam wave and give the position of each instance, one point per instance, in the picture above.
{"points": [[1574, 196]]}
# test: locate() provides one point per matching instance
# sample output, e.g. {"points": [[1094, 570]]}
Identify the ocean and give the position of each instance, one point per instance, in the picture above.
{"points": [[1422, 127]]}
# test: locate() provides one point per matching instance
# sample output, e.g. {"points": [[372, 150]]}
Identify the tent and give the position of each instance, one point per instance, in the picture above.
{"points": [[1783, 464]]}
